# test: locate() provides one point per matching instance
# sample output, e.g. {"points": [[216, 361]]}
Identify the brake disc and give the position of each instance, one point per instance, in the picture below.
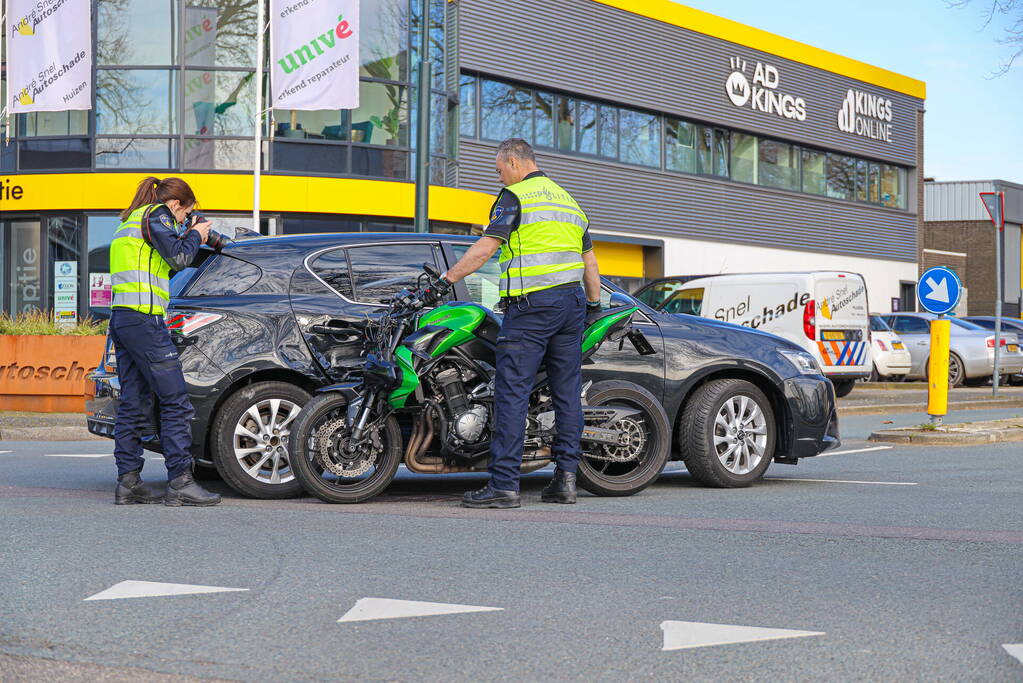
{"points": [[334, 455]]}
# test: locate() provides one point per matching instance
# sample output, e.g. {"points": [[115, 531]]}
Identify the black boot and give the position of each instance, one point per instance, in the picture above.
{"points": [[489, 497], [561, 489], [182, 490], [131, 489]]}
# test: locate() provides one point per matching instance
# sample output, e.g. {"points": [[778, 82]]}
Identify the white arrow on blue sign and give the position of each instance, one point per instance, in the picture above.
{"points": [[939, 290]]}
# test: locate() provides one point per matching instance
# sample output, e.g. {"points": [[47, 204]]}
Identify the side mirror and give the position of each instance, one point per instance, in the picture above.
{"points": [[619, 299], [431, 270]]}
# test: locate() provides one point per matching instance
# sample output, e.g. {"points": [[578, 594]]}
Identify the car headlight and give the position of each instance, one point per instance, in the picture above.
{"points": [[803, 362]]}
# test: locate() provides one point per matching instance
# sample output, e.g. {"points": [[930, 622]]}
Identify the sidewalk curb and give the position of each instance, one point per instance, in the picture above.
{"points": [[919, 437], [53, 433], [922, 407]]}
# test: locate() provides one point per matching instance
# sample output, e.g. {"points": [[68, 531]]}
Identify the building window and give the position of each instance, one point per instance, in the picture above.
{"points": [[893, 184], [608, 123], [506, 111], [680, 141], [136, 102], [841, 176], [813, 172], [120, 28], [712, 151], [543, 119], [467, 106], [744, 158], [135, 153], [640, 138], [778, 165]]}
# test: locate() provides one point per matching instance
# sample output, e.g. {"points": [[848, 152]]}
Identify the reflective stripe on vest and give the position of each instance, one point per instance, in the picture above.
{"points": [[139, 275], [546, 249]]}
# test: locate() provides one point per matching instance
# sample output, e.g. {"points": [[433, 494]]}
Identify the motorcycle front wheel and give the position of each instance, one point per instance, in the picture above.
{"points": [[324, 465], [630, 468]]}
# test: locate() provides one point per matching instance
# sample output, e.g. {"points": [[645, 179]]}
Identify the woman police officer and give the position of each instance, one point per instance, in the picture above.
{"points": [[158, 234]]}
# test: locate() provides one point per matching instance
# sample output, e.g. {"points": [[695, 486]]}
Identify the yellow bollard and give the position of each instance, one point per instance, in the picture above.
{"points": [[937, 369]]}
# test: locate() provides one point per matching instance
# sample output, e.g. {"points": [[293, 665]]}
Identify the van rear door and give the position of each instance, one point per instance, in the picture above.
{"points": [[842, 323]]}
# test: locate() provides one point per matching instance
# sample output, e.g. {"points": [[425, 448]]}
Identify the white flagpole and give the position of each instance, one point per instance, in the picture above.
{"points": [[5, 106], [258, 152]]}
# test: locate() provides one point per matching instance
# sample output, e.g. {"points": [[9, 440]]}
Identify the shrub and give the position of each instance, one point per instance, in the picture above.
{"points": [[41, 322]]}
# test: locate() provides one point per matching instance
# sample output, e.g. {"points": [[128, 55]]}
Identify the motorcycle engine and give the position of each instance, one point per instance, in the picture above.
{"points": [[468, 421]]}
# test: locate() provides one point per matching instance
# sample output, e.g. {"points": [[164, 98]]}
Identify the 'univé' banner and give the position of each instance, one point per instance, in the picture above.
{"points": [[315, 61], [49, 55]]}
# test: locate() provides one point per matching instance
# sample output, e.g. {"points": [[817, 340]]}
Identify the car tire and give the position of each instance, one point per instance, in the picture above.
{"points": [[976, 381], [243, 460], [707, 444], [843, 387], [956, 370], [875, 376]]}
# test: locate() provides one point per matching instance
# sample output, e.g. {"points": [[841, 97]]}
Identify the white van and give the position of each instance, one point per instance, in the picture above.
{"points": [[825, 312]]}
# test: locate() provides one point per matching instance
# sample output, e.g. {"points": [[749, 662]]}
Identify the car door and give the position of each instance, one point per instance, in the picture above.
{"points": [[612, 360], [916, 335], [347, 284]]}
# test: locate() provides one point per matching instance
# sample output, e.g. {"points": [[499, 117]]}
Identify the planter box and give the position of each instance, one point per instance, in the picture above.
{"points": [[46, 373]]}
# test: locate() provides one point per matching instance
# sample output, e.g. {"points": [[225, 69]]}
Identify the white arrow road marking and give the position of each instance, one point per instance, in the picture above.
{"points": [[2, 452], [79, 455], [152, 589], [367, 609], [857, 450], [1016, 650], [939, 290], [846, 481], [680, 635]]}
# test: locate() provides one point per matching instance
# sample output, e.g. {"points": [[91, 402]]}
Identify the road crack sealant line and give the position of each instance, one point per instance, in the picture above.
{"points": [[401, 509]]}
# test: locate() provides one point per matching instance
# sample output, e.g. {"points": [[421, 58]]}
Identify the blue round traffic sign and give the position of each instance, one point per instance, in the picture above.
{"points": [[939, 290]]}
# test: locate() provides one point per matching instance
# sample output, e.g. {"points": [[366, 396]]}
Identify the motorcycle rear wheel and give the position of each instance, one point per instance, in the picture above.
{"points": [[325, 485], [604, 478]]}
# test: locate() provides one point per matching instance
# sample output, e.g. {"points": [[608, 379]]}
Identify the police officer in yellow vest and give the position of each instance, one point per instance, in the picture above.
{"points": [[151, 242], [546, 255]]}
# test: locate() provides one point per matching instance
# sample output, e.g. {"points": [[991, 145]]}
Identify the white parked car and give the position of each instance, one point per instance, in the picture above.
{"points": [[825, 312], [892, 360]]}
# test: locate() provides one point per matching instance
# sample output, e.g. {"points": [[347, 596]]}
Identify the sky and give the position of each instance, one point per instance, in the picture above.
{"points": [[973, 127]]}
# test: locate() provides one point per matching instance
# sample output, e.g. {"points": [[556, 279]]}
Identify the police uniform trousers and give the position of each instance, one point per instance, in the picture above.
{"points": [[148, 369], [547, 331]]}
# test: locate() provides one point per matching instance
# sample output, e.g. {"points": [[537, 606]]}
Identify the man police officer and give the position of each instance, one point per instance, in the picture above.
{"points": [[545, 254]]}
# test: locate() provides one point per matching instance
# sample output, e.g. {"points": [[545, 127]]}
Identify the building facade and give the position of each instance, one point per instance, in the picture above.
{"points": [[695, 144], [959, 233]]}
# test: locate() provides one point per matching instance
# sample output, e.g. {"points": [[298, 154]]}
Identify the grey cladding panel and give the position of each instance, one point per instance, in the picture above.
{"points": [[648, 202], [584, 47]]}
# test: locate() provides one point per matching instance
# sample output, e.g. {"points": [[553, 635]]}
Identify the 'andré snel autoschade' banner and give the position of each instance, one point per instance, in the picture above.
{"points": [[315, 61], [49, 55]]}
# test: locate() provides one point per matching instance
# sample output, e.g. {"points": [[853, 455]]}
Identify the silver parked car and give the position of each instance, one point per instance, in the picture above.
{"points": [[1014, 325], [972, 355]]}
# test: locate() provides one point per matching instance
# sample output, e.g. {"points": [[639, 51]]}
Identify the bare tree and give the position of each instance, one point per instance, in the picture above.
{"points": [[1012, 34]]}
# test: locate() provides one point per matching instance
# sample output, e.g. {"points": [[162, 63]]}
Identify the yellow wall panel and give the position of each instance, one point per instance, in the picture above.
{"points": [[622, 260]]}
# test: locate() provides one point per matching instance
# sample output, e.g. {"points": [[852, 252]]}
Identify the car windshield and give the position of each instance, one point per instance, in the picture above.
{"points": [[877, 324]]}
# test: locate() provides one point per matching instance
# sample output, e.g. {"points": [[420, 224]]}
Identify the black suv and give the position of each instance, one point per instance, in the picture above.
{"points": [[245, 323]]}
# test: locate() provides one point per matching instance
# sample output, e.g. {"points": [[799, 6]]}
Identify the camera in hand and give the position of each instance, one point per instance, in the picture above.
{"points": [[215, 241]]}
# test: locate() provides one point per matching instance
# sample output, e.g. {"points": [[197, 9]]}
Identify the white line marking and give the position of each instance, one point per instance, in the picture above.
{"points": [[681, 635], [1016, 650], [367, 609], [2, 452], [152, 589], [79, 455], [857, 450], [847, 481]]}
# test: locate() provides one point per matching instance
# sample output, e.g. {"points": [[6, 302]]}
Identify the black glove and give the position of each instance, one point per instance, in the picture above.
{"points": [[593, 306], [437, 290]]}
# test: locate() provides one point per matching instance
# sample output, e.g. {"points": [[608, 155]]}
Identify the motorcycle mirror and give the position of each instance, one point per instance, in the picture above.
{"points": [[431, 270]]}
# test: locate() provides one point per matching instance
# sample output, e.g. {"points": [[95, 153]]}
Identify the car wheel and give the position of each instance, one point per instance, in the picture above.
{"points": [[956, 371], [875, 376], [844, 387], [250, 439], [727, 433], [976, 381]]}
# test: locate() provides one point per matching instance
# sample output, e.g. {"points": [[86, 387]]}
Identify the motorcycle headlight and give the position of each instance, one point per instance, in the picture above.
{"points": [[802, 361]]}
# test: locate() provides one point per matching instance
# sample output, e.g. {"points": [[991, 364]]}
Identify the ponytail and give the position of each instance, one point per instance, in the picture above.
{"points": [[152, 190]]}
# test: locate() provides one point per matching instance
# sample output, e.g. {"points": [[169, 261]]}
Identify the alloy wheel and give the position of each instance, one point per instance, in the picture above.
{"points": [[260, 440], [740, 434]]}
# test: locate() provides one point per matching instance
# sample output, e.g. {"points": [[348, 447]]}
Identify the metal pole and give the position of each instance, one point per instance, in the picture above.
{"points": [[423, 118], [257, 156], [998, 306]]}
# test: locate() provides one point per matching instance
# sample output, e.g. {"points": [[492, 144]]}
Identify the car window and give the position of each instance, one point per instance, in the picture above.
{"points": [[485, 284], [967, 325], [654, 294], [877, 324], [382, 270], [226, 276], [908, 325], [688, 301], [332, 268]]}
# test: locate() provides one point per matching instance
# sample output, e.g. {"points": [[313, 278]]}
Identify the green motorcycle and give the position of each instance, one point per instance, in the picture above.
{"points": [[433, 372]]}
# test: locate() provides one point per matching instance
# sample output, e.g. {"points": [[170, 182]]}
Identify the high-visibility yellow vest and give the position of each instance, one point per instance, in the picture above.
{"points": [[140, 276], [546, 249]]}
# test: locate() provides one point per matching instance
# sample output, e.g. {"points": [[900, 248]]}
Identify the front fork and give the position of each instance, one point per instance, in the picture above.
{"points": [[359, 420]]}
